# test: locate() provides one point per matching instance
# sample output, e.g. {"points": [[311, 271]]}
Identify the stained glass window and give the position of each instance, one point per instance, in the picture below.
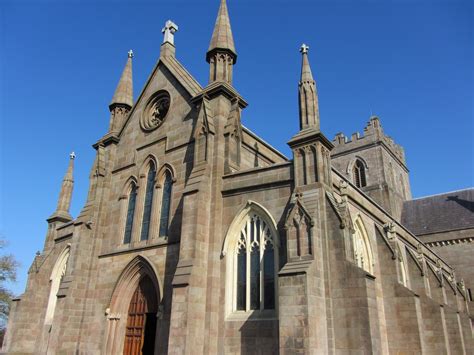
{"points": [[255, 279], [241, 275], [150, 186], [165, 204], [269, 278], [130, 213]]}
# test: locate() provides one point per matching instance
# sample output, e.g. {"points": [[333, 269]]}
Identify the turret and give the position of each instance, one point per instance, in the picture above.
{"points": [[64, 201], [221, 54], [122, 100]]}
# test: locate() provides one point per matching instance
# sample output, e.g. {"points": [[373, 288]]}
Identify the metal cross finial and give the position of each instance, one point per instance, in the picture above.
{"points": [[130, 53], [72, 155], [169, 31], [304, 49]]}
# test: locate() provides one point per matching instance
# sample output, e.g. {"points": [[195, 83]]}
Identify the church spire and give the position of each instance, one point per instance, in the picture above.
{"points": [[311, 149], [221, 54], [64, 200], [122, 101], [124, 93], [308, 95]]}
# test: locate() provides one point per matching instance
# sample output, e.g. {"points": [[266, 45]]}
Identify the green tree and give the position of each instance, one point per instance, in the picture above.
{"points": [[8, 267]]}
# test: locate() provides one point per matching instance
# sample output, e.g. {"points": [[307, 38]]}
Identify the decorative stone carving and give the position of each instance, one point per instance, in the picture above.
{"points": [[343, 186], [342, 211], [298, 226], [155, 111]]}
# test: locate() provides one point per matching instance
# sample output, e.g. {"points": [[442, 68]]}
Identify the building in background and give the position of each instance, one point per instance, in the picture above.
{"points": [[198, 237]]}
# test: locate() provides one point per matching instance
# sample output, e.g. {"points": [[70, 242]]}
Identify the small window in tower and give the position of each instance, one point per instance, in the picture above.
{"points": [[358, 173]]}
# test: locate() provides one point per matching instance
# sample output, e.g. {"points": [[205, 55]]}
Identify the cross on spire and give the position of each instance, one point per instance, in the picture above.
{"points": [[72, 156], [304, 49], [169, 30], [130, 53]]}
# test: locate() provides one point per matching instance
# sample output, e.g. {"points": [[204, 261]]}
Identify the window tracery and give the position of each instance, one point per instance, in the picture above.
{"points": [[255, 263]]}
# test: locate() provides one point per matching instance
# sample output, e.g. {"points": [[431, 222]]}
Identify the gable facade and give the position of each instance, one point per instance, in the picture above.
{"points": [[199, 237]]}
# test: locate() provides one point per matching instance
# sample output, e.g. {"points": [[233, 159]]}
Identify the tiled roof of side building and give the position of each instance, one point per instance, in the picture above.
{"points": [[440, 213]]}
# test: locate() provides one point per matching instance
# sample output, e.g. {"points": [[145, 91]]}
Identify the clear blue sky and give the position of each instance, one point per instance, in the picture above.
{"points": [[410, 62]]}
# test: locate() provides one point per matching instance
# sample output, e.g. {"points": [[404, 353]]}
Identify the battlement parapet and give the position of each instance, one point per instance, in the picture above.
{"points": [[373, 133]]}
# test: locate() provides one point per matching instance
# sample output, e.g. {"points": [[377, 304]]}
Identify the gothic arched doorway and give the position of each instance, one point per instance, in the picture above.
{"points": [[141, 320]]}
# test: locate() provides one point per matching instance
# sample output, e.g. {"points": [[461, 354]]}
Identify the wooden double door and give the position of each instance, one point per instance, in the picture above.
{"points": [[141, 322]]}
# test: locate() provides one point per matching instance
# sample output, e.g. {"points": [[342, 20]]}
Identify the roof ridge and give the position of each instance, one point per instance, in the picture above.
{"points": [[440, 194]]}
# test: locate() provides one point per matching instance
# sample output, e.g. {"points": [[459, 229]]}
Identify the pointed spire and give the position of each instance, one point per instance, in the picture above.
{"points": [[308, 95], [222, 36], [306, 74], [65, 196], [221, 54], [124, 93]]}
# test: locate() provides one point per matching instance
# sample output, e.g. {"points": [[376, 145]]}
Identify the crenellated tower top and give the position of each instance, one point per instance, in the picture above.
{"points": [[373, 132]]}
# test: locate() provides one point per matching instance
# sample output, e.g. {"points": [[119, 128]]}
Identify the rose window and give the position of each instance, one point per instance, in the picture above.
{"points": [[156, 111]]}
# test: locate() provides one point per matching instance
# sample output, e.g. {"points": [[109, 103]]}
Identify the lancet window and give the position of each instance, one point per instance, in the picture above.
{"points": [[255, 265], [166, 203], [358, 173], [132, 198], [150, 187]]}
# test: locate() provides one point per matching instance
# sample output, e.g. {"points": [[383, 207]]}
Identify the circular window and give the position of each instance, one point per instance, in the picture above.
{"points": [[155, 111]]}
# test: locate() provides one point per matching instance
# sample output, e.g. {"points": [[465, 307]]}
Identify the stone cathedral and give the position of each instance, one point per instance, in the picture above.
{"points": [[198, 237]]}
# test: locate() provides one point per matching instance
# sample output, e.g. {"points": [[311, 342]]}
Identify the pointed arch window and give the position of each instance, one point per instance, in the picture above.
{"points": [[166, 204], [57, 275], [255, 266], [150, 187], [363, 256], [358, 172], [132, 198]]}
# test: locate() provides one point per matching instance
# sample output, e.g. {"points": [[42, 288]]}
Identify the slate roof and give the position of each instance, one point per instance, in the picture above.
{"points": [[440, 213]]}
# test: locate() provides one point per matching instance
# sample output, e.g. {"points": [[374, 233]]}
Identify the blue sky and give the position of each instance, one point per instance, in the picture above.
{"points": [[410, 62]]}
